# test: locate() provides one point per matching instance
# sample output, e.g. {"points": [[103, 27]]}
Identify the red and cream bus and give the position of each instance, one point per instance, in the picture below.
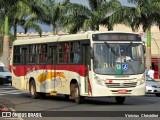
{"points": [[91, 64]]}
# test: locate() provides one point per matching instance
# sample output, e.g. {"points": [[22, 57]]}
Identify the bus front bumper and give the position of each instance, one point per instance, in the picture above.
{"points": [[134, 91]]}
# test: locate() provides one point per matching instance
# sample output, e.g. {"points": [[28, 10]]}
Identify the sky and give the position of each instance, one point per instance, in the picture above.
{"points": [[84, 2]]}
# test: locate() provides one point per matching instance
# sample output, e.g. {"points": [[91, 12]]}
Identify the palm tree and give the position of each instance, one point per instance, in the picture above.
{"points": [[7, 7], [16, 16], [1, 32], [89, 17], [23, 16], [31, 23], [121, 16], [51, 13], [149, 15], [14, 13]]}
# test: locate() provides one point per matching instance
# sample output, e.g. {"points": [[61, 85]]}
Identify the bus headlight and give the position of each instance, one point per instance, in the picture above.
{"points": [[98, 80], [141, 81]]}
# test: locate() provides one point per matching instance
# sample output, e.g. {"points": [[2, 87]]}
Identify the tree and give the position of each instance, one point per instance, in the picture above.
{"points": [[7, 7], [14, 13], [89, 17], [121, 16], [23, 16], [51, 13], [1, 31], [149, 15]]}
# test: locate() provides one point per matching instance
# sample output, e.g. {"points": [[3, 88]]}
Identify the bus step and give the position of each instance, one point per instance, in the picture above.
{"points": [[53, 93]]}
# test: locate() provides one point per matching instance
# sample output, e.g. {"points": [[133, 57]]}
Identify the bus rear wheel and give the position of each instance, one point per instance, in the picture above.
{"points": [[75, 92], [120, 100], [32, 88]]}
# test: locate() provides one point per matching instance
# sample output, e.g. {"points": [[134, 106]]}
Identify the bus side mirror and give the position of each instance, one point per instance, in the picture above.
{"points": [[92, 53]]}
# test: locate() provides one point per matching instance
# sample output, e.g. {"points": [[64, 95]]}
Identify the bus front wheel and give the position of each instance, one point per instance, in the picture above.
{"points": [[120, 100], [32, 88], [75, 92]]}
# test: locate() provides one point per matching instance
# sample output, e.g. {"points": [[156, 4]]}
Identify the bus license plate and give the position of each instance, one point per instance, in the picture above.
{"points": [[122, 91]]}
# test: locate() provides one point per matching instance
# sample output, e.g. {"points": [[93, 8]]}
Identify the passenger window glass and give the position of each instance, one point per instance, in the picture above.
{"points": [[17, 55]]}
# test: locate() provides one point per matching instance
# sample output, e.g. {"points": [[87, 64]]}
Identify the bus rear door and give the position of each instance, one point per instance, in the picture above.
{"points": [[24, 58], [51, 61]]}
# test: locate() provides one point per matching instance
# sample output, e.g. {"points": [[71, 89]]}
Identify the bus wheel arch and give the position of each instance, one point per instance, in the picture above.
{"points": [[75, 92], [32, 88]]}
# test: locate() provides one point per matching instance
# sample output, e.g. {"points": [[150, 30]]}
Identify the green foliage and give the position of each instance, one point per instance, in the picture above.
{"points": [[52, 13], [81, 17], [75, 17], [149, 15]]}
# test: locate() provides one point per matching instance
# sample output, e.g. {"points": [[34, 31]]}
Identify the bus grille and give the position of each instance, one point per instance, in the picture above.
{"points": [[121, 85]]}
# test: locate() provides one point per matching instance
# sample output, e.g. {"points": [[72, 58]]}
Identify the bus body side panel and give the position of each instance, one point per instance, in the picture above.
{"points": [[18, 77], [48, 80]]}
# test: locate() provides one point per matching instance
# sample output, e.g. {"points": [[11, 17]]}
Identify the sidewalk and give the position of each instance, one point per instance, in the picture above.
{"points": [[6, 105]]}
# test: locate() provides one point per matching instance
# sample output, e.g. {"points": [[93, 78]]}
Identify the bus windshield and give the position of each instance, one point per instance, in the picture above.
{"points": [[118, 58]]}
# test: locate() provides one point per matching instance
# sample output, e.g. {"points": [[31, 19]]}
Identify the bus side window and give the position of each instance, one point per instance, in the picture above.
{"points": [[77, 56], [41, 53], [32, 57], [62, 55], [65, 55], [77, 53], [17, 55]]}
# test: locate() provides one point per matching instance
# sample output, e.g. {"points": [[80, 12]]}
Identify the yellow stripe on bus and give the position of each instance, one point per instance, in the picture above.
{"points": [[49, 76]]}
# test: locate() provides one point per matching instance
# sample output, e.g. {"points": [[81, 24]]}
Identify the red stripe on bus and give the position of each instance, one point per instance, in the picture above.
{"points": [[20, 70]]}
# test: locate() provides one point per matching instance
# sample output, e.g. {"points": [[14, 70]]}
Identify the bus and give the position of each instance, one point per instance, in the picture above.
{"points": [[91, 64]]}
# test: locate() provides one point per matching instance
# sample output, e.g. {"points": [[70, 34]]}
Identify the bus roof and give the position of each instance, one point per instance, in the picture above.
{"points": [[68, 37]]}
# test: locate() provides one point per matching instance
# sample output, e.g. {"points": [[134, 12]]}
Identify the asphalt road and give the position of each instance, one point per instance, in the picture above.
{"points": [[90, 110]]}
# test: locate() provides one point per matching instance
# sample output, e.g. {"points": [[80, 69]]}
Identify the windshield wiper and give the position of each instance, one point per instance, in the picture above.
{"points": [[128, 46], [111, 48]]}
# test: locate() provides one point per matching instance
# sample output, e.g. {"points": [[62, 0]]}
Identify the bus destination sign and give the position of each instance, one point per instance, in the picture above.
{"points": [[117, 36]]}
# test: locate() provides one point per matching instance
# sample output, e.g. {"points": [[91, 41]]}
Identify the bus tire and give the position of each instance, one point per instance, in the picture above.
{"points": [[42, 95], [120, 100], [32, 88], [67, 97], [78, 98]]}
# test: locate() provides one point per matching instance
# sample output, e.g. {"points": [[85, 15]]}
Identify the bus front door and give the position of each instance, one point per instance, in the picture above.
{"points": [[85, 61], [24, 58]]}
